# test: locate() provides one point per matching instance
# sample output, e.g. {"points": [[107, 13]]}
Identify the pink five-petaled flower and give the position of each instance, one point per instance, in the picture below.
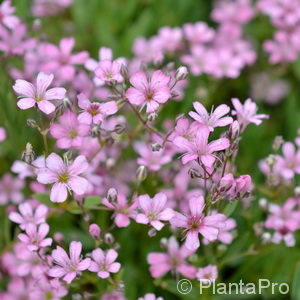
{"points": [[149, 91], [29, 216], [104, 262], [69, 132], [65, 177], [207, 274], [214, 119], [174, 259], [246, 113], [196, 222], [6, 15], [150, 296], [199, 148], [154, 210], [109, 71], [38, 95], [68, 267], [95, 112], [123, 210], [35, 237]]}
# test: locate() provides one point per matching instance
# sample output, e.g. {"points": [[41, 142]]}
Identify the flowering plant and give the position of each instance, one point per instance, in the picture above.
{"points": [[122, 175]]}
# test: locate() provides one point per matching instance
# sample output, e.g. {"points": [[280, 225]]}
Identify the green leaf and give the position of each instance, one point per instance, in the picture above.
{"points": [[92, 201], [296, 284], [230, 208], [44, 198]]}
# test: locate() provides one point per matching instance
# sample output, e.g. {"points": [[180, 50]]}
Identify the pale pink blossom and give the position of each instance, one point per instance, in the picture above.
{"points": [[123, 209], [198, 33], [174, 259], [147, 91], [44, 8], [171, 38], [64, 177], [109, 71], [199, 148], [197, 223], [154, 210], [214, 119], [150, 296], [113, 296], [7, 17], [246, 113], [62, 61], [154, 160], [29, 215], [104, 262], [35, 237], [207, 274], [11, 189], [3, 134], [38, 95], [68, 267], [69, 132], [95, 112]]}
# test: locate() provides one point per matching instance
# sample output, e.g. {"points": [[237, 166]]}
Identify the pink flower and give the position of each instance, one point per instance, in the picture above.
{"points": [[65, 177], [207, 274], [15, 42], [149, 91], [95, 112], [38, 95], [61, 59], [35, 237], [70, 132], [285, 221], [174, 259], [3, 134], [123, 210], [154, 210], [243, 185], [29, 216], [170, 38], [6, 15], [198, 33], [44, 8], [11, 189], [94, 231], [199, 148], [104, 262], [113, 296], [196, 222], [154, 160], [214, 119], [150, 296], [109, 71], [68, 267], [247, 113]]}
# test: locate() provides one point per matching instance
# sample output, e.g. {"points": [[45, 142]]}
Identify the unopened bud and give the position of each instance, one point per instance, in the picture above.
{"points": [[156, 147], [31, 123], [110, 163], [141, 173], [95, 131], [194, 173], [58, 237], [124, 71], [112, 195], [234, 130], [266, 237], [109, 239], [263, 203], [37, 24], [164, 243], [181, 73], [297, 191], [28, 154], [270, 160], [152, 117], [278, 141], [152, 232], [94, 231], [170, 66], [120, 128]]}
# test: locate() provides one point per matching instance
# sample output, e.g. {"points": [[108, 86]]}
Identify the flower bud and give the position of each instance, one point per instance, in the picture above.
{"points": [[95, 131], [181, 73], [278, 141], [297, 191], [263, 203], [58, 237], [156, 147], [31, 123], [141, 173], [243, 185], [120, 128], [271, 160], [152, 117], [164, 243], [124, 71], [108, 238], [266, 237], [226, 183], [194, 173], [234, 130], [28, 154], [94, 231], [152, 232], [112, 195]]}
